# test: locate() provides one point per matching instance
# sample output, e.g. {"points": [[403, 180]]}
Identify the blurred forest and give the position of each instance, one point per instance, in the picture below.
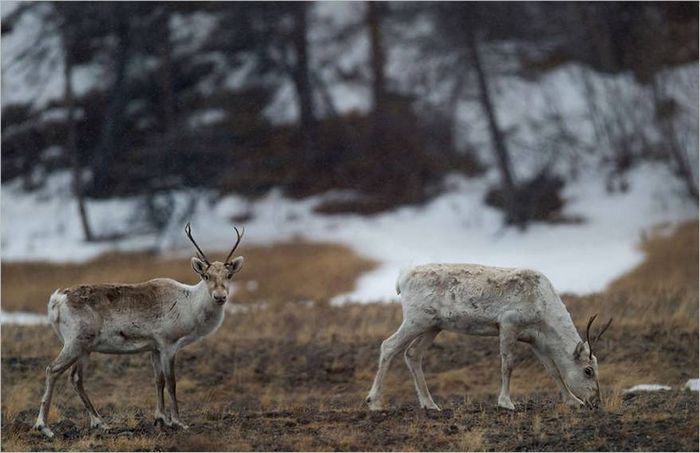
{"points": [[183, 95]]}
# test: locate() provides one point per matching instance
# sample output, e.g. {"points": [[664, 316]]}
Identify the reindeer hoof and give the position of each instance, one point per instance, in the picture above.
{"points": [[99, 424], [179, 424], [572, 403], [432, 407], [374, 405], [506, 403], [43, 429], [162, 422]]}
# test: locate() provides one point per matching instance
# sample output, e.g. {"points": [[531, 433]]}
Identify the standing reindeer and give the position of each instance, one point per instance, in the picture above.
{"points": [[159, 316], [513, 304]]}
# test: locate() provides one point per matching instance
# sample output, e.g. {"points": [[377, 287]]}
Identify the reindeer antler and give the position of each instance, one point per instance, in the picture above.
{"points": [[238, 240], [200, 253], [597, 337], [603, 330], [588, 336]]}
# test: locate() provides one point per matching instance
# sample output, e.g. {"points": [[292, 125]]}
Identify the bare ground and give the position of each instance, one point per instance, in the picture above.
{"points": [[293, 376]]}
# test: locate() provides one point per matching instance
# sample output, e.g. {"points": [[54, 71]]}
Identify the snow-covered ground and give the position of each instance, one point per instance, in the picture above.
{"points": [[553, 117], [20, 318], [647, 388], [693, 385], [454, 227]]}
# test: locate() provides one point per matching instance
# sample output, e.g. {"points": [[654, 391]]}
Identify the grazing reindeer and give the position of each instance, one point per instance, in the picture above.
{"points": [[159, 316], [513, 304]]}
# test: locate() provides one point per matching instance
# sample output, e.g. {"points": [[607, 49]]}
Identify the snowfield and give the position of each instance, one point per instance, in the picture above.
{"points": [[454, 227]]}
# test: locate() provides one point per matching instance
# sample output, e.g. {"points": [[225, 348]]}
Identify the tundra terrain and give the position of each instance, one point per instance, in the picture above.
{"points": [[289, 371]]}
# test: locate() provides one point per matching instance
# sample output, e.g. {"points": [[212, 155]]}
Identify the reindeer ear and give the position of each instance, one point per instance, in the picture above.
{"points": [[581, 350], [198, 265], [235, 265]]}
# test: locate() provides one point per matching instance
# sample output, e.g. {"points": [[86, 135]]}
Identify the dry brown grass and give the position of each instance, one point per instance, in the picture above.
{"points": [[472, 440], [15, 401], [661, 292], [671, 262], [281, 272], [293, 375], [612, 400]]}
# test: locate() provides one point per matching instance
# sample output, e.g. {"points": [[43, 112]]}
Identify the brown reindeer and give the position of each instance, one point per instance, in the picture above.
{"points": [[159, 316]]}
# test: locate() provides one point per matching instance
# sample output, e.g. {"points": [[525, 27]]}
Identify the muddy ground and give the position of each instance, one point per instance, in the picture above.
{"points": [[473, 425], [290, 375], [274, 395]]}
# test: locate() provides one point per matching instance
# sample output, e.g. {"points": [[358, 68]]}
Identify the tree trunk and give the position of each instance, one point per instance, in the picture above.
{"points": [[166, 74], [497, 139], [71, 143], [375, 11], [453, 108], [598, 33], [678, 155], [163, 155], [302, 83], [114, 116]]}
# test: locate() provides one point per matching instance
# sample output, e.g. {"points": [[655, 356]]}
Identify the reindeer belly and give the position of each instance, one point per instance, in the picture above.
{"points": [[123, 341], [461, 309], [469, 323]]}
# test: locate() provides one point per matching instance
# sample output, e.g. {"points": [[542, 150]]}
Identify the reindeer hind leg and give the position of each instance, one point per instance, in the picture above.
{"points": [[68, 356], [414, 360], [393, 345], [76, 379]]}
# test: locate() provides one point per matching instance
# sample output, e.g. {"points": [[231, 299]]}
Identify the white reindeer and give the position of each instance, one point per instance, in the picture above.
{"points": [[513, 304], [159, 316]]}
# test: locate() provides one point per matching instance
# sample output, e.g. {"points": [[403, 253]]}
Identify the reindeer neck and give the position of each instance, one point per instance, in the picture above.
{"points": [[560, 334], [195, 315], [199, 294], [199, 307]]}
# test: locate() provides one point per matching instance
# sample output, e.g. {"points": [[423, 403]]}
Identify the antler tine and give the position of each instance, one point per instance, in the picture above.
{"points": [[235, 246], [603, 330], [200, 253], [588, 336]]}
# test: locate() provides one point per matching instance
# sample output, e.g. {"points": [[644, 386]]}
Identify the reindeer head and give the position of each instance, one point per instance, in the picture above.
{"points": [[217, 276], [582, 377]]}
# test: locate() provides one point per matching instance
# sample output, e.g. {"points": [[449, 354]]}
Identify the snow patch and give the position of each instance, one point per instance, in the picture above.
{"points": [[454, 227], [21, 318], [647, 388], [204, 118], [693, 385]]}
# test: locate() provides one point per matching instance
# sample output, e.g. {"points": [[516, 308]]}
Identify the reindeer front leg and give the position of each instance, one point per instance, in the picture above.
{"points": [[160, 417], [507, 339], [167, 361]]}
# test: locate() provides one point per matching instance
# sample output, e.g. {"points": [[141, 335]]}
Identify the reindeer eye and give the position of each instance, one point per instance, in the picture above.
{"points": [[205, 276], [229, 276], [588, 371]]}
